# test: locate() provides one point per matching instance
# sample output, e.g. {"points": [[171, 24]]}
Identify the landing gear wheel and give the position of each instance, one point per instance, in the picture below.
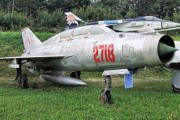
{"points": [[24, 81], [76, 74], [105, 97], [19, 82], [175, 90], [102, 96]]}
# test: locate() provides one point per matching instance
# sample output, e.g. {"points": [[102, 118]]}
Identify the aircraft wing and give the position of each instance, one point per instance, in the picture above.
{"points": [[33, 57], [15, 64]]}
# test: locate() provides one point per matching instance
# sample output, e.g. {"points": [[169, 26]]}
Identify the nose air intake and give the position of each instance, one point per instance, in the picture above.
{"points": [[166, 49]]}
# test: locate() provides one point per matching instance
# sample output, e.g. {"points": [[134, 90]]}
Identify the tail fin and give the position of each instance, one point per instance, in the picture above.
{"points": [[72, 19], [29, 39]]}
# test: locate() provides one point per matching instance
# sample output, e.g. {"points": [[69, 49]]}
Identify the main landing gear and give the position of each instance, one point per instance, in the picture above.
{"points": [[21, 78], [105, 96]]}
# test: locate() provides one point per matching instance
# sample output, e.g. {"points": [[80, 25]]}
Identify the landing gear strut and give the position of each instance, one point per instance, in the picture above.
{"points": [[18, 71], [76, 74], [106, 94], [24, 81], [21, 78]]}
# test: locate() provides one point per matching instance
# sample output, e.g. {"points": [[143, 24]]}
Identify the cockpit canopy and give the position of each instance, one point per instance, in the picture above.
{"points": [[86, 30]]}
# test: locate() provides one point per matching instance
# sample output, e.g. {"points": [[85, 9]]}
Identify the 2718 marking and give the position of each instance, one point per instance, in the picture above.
{"points": [[106, 51]]}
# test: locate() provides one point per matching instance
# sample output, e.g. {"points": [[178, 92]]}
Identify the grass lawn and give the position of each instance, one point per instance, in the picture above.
{"points": [[151, 98]]}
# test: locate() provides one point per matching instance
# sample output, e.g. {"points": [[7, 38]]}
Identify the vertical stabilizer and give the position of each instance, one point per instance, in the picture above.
{"points": [[72, 19], [29, 39]]}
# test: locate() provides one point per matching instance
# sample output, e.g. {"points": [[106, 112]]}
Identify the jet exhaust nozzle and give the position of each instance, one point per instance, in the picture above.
{"points": [[166, 49]]}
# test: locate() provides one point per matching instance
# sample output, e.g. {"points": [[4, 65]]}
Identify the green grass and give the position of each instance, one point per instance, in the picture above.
{"points": [[150, 99], [176, 38], [11, 42]]}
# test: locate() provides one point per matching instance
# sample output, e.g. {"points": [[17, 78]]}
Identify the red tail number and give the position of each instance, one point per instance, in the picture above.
{"points": [[106, 51]]}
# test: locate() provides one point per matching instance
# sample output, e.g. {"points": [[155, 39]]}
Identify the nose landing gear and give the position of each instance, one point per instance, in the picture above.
{"points": [[105, 95]]}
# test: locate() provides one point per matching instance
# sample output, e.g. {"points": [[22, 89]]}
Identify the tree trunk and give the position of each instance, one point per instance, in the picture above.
{"points": [[12, 8]]}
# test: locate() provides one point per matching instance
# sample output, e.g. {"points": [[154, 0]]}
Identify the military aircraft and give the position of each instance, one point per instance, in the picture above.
{"points": [[126, 25], [92, 48]]}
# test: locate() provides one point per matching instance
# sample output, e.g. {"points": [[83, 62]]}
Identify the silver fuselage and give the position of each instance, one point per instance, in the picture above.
{"points": [[86, 52]]}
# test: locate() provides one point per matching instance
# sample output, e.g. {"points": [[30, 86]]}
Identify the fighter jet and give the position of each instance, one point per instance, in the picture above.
{"points": [[90, 48], [126, 25]]}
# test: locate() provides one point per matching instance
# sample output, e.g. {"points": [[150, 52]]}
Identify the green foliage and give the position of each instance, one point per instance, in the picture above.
{"points": [[13, 22], [176, 38], [97, 12], [48, 15], [176, 16]]}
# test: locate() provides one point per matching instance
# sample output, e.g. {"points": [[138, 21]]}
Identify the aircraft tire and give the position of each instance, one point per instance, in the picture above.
{"points": [[175, 90], [24, 81], [102, 96], [106, 97]]}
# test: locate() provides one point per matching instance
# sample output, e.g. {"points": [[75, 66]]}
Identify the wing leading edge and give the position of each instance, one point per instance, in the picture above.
{"points": [[34, 57]]}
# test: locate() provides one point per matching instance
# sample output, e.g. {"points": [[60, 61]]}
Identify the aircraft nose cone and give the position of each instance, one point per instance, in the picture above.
{"points": [[164, 49]]}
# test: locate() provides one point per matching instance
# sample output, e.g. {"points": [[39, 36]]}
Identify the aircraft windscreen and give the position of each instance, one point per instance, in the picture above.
{"points": [[81, 31], [96, 30], [100, 30], [66, 34]]}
